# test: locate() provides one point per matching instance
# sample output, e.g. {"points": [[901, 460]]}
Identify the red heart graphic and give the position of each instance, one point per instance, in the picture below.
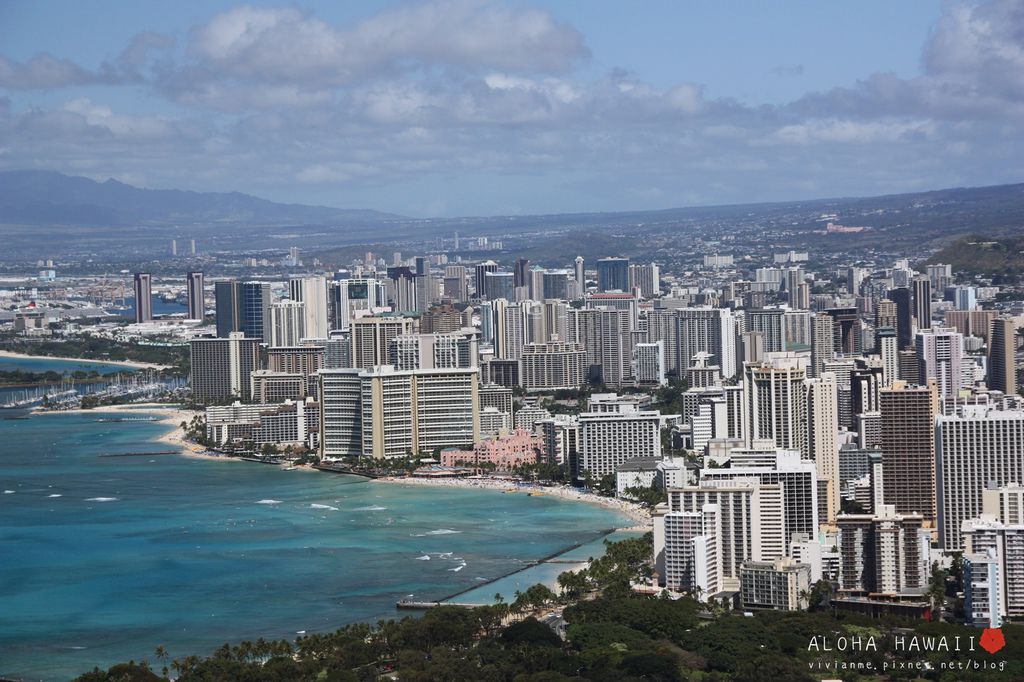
{"points": [[992, 640]]}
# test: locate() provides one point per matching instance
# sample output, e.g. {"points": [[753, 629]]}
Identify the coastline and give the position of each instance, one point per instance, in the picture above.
{"points": [[125, 363], [634, 511]]}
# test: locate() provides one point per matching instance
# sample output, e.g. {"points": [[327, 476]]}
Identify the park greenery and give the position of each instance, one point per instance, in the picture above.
{"points": [[595, 627], [90, 347]]}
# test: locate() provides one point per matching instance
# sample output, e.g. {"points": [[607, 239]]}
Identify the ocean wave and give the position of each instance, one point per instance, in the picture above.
{"points": [[370, 508], [425, 557], [8, 492], [55, 495], [269, 502], [101, 499], [458, 568], [322, 506], [443, 531]]}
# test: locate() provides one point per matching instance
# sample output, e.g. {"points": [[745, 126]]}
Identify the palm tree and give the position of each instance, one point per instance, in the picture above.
{"points": [[161, 655]]}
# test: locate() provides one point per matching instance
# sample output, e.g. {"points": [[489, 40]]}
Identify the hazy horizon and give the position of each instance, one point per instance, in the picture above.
{"points": [[452, 108]]}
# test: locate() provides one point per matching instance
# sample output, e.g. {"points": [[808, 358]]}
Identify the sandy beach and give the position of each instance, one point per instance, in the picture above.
{"points": [[126, 363], [634, 511]]}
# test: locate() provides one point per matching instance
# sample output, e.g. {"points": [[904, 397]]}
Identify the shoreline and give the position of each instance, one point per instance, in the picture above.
{"points": [[124, 363], [633, 511]]}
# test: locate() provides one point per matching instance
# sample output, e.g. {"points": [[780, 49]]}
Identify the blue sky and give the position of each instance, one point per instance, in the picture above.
{"points": [[473, 107]]}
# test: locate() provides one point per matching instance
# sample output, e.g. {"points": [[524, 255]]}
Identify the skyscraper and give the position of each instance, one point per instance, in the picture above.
{"points": [[712, 330], [255, 301], [613, 274], [940, 351], [520, 268], [228, 306], [776, 404], [922, 302], [580, 274], [196, 304], [143, 297], [1002, 362], [371, 338], [822, 429], [822, 343], [979, 447], [908, 447], [904, 317], [220, 368], [312, 293], [479, 283], [287, 323]]}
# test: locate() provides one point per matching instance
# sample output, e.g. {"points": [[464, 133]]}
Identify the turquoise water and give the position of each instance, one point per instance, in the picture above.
{"points": [[104, 558]]}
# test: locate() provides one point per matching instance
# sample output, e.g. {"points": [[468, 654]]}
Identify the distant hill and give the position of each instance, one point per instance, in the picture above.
{"points": [[994, 256], [50, 198]]}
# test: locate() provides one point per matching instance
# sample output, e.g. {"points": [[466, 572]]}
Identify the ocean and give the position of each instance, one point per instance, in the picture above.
{"points": [[104, 558]]}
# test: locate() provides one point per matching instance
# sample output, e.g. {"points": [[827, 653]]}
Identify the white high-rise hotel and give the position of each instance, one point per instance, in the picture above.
{"points": [[976, 448]]}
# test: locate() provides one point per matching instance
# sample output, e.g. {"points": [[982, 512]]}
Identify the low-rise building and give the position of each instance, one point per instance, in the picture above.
{"points": [[781, 585]]}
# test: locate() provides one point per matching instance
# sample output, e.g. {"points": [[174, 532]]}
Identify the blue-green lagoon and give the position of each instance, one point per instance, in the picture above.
{"points": [[104, 558]]}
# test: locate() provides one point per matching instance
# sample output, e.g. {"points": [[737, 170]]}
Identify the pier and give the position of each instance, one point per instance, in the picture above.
{"points": [[139, 454], [412, 604]]}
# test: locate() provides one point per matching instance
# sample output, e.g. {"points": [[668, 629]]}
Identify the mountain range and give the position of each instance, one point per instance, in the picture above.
{"points": [[35, 197]]}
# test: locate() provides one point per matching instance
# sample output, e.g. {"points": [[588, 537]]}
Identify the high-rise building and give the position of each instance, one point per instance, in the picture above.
{"points": [[580, 274], [977, 448], [771, 323], [965, 298], [1002, 362], [797, 477], [646, 278], [499, 285], [888, 350], [456, 287], [1004, 544], [228, 306], [480, 270], [556, 285], [405, 413], [432, 351], [605, 334], [712, 330], [613, 274], [312, 293], [922, 288], [776, 404], [822, 432], [341, 414], [143, 297], [885, 314], [687, 551], [846, 330], [552, 366], [781, 585], [351, 298], [822, 343], [520, 272], [649, 364], [753, 519], [255, 299], [908, 447], [220, 368], [402, 285], [940, 351], [371, 338], [904, 317], [607, 439], [196, 301], [287, 323], [883, 553]]}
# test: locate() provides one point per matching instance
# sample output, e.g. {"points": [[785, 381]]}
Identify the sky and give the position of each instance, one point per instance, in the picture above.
{"points": [[477, 107]]}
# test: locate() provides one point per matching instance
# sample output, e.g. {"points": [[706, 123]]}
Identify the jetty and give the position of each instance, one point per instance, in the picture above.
{"points": [[550, 559], [139, 454]]}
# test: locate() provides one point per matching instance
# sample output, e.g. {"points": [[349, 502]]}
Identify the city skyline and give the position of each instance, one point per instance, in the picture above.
{"points": [[484, 108]]}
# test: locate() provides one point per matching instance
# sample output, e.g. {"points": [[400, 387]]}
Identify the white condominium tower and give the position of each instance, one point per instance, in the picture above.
{"points": [[312, 293], [776, 403], [977, 448]]}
